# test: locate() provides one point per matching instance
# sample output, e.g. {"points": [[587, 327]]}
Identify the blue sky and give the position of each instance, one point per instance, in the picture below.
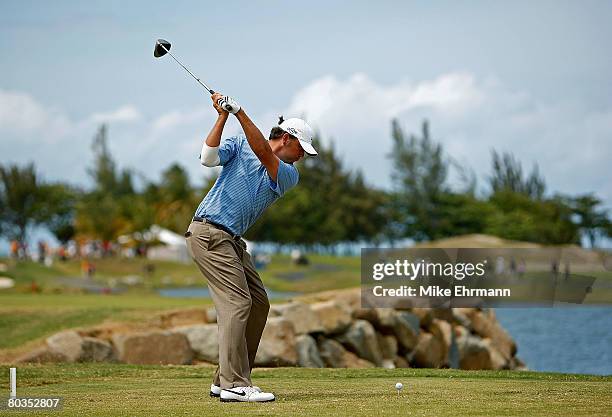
{"points": [[534, 78]]}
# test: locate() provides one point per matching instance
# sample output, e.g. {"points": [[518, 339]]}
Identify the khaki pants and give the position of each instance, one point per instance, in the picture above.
{"points": [[239, 296]]}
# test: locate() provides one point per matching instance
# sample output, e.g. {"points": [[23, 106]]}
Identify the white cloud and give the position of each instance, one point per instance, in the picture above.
{"points": [[25, 118], [57, 144], [19, 112], [360, 101], [122, 114], [177, 118], [569, 141]]}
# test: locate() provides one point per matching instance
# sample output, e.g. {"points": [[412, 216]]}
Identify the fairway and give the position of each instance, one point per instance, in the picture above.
{"points": [[122, 390]]}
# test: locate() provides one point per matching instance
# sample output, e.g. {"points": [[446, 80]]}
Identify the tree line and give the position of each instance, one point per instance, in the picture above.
{"points": [[332, 204]]}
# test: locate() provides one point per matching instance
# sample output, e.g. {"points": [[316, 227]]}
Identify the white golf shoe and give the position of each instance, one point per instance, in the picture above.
{"points": [[215, 390], [246, 394]]}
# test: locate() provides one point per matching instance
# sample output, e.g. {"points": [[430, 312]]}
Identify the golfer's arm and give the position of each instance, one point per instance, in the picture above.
{"points": [[214, 137], [259, 144]]}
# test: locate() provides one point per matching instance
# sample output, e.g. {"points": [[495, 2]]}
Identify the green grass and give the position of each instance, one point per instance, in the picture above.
{"points": [[27, 318], [24, 272], [118, 390], [48, 302], [323, 273]]}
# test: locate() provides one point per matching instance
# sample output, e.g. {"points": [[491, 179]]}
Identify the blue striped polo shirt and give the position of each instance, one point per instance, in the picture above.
{"points": [[244, 189]]}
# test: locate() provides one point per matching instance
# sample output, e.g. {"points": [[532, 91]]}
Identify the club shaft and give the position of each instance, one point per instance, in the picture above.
{"points": [[186, 69]]}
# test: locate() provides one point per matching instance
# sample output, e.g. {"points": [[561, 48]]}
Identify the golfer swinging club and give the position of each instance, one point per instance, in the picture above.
{"points": [[255, 173]]}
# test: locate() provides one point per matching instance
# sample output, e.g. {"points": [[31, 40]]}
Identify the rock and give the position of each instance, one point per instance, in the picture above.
{"points": [[203, 340], [41, 355], [368, 314], [211, 315], [477, 353], [386, 318], [461, 318], [445, 314], [388, 346], [442, 330], [96, 350], [361, 339], [273, 312], [334, 317], [308, 352], [486, 325], [517, 364], [401, 362], [184, 317], [68, 344], [388, 364], [155, 347], [406, 329], [349, 298], [301, 315], [73, 347], [425, 315], [353, 361], [474, 354], [454, 356], [332, 353], [383, 319], [277, 346], [429, 352], [497, 359], [335, 356], [107, 330]]}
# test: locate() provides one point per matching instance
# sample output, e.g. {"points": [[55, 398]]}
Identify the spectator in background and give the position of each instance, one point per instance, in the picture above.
{"points": [[42, 251], [14, 249]]}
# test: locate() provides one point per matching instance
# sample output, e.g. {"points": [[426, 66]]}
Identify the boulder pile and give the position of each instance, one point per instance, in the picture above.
{"points": [[322, 330]]}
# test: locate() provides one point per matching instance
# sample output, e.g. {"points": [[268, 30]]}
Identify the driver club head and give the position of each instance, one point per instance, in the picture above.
{"points": [[159, 48]]}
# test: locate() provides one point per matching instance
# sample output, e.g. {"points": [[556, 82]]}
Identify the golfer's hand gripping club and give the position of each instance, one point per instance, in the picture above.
{"points": [[229, 104]]}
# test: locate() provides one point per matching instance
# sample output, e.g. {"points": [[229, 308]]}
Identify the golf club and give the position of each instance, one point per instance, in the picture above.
{"points": [[162, 47]]}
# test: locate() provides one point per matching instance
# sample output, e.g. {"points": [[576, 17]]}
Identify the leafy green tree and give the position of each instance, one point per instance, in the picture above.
{"points": [[99, 216], [366, 211], [508, 176], [20, 200], [329, 205], [593, 219], [519, 217], [59, 209], [111, 207], [104, 172], [522, 211], [174, 198], [516, 208], [463, 213], [419, 176]]}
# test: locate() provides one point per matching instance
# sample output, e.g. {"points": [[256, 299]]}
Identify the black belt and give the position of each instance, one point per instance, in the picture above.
{"points": [[218, 226]]}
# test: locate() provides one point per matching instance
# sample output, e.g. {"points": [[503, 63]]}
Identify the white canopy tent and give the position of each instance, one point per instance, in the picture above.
{"points": [[174, 247]]}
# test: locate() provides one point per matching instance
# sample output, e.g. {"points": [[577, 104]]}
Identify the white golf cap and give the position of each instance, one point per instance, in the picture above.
{"points": [[302, 131]]}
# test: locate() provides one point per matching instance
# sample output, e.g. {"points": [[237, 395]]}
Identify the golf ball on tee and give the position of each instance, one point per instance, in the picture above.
{"points": [[399, 386]]}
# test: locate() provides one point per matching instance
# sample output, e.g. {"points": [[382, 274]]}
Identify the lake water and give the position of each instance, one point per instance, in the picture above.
{"points": [[574, 339], [202, 292]]}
